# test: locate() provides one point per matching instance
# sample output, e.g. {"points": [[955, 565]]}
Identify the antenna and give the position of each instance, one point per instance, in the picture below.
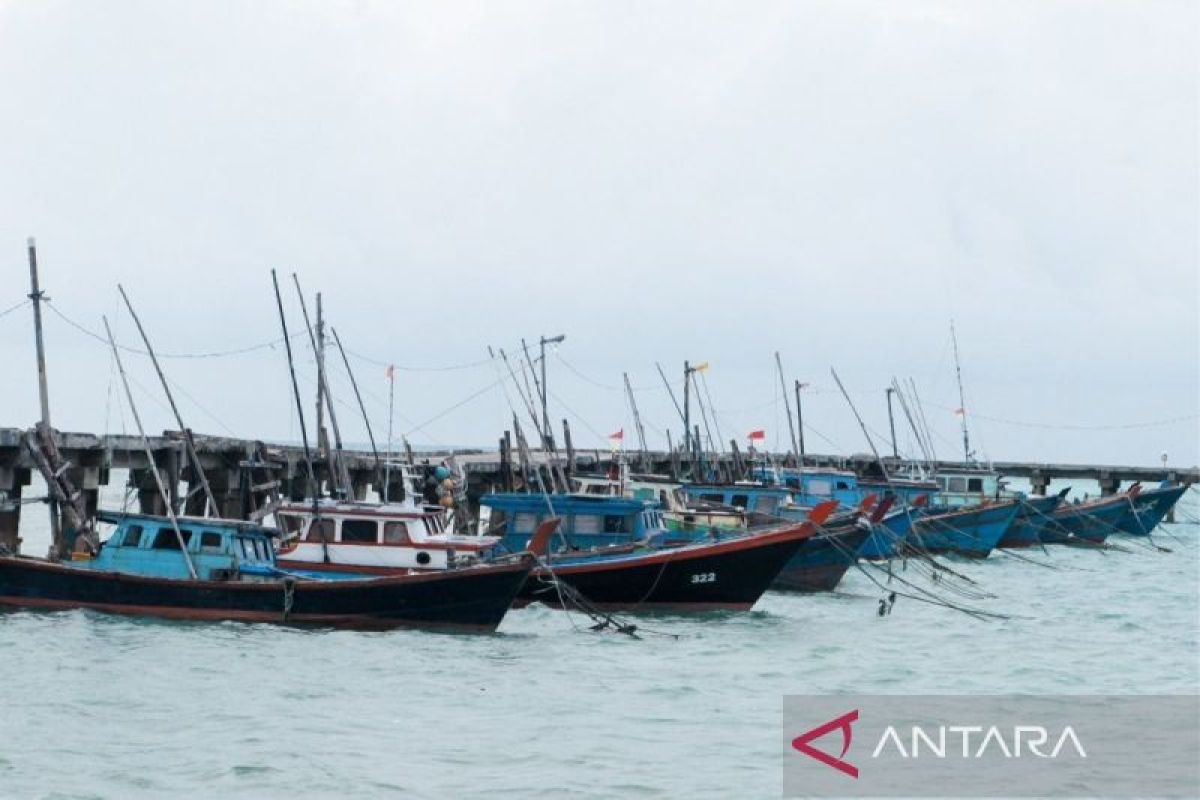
{"points": [[162, 490], [962, 403]]}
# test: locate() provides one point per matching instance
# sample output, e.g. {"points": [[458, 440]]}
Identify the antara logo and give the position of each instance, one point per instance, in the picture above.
{"points": [[803, 743], [1021, 740]]}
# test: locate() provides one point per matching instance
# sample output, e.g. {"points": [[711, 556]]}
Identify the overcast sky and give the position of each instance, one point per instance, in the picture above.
{"points": [[658, 181]]}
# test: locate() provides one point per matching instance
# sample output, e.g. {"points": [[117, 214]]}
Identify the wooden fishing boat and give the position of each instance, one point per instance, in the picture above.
{"points": [[727, 574], [1031, 521], [1089, 521], [970, 531], [227, 570], [1148, 508]]}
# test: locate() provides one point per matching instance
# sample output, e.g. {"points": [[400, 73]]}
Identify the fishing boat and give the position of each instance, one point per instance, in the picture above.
{"points": [[1031, 521], [971, 531], [1149, 507], [1087, 521], [613, 551], [210, 569]]}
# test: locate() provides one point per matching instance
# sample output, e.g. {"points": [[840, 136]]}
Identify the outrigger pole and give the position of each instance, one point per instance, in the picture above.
{"points": [[162, 489], [313, 485], [189, 442]]}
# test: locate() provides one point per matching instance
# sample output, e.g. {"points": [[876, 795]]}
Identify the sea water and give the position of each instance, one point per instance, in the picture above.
{"points": [[105, 706]]}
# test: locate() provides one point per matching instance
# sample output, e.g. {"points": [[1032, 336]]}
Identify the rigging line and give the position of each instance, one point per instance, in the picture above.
{"points": [[575, 414], [447, 368], [214, 354], [1049, 426], [454, 407], [600, 384], [19, 305]]}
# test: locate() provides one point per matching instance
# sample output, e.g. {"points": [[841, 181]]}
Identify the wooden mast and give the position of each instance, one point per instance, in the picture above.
{"points": [[189, 442], [788, 406], [637, 423], [162, 489], [36, 294]]}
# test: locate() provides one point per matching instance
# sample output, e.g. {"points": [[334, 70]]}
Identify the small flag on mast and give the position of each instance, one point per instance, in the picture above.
{"points": [[960, 411], [391, 371], [756, 436], [618, 436]]}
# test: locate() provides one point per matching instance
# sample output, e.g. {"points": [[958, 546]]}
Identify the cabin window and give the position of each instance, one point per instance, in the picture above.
{"points": [[260, 550], [496, 521], [713, 498], [822, 488], [525, 522], [321, 530], [396, 533], [360, 531], [614, 523], [765, 504], [843, 485], [133, 536], [791, 483], [166, 539], [247, 548], [957, 484], [942, 483], [290, 523], [587, 524], [741, 500], [210, 541], [975, 485]]}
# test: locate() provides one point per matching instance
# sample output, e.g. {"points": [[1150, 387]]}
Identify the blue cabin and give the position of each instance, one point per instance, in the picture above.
{"points": [[810, 486], [147, 545], [587, 520], [751, 497]]}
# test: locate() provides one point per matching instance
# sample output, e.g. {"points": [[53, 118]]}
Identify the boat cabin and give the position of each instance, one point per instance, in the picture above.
{"points": [[373, 537], [813, 485], [147, 545], [967, 486], [588, 520], [749, 497]]}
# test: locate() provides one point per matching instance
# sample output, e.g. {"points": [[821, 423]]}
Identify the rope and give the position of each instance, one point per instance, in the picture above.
{"points": [[11, 309]]}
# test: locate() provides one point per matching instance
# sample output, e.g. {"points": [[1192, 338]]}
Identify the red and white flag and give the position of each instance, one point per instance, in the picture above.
{"points": [[391, 372], [618, 436], [756, 436], [960, 412]]}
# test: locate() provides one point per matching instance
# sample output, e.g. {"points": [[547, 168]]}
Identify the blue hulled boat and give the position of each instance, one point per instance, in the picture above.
{"points": [[1026, 530], [1148, 508], [972, 531], [210, 569], [1089, 521]]}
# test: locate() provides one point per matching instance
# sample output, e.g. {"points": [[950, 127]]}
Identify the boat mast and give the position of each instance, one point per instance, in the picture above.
{"points": [[189, 442], [36, 294], [358, 396], [788, 406], [313, 485], [892, 423], [800, 422], [962, 403], [387, 464], [339, 475], [162, 489], [637, 422]]}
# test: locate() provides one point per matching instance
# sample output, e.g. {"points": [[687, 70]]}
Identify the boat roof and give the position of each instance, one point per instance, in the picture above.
{"points": [[564, 503], [117, 517]]}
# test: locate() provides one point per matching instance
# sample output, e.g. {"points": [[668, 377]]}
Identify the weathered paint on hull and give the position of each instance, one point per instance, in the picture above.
{"points": [[1149, 508], [889, 536], [1026, 530], [471, 599], [970, 532], [822, 563]]}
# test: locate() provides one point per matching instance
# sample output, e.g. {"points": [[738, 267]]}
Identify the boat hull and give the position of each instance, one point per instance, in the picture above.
{"points": [[473, 599], [1026, 530], [889, 535], [1091, 522], [731, 574], [822, 562], [972, 532], [1149, 508]]}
